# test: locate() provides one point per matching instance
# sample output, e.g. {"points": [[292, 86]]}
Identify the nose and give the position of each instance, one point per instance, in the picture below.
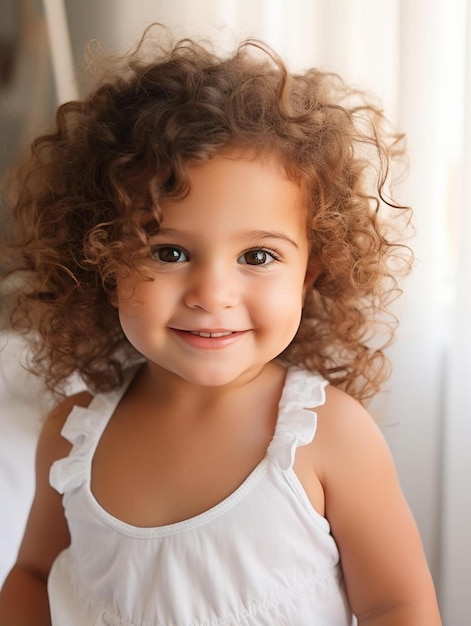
{"points": [[212, 288]]}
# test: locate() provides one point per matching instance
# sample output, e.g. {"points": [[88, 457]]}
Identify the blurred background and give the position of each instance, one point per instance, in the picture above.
{"points": [[416, 56]]}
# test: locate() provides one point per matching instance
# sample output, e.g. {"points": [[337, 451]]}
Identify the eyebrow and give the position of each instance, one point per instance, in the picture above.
{"points": [[270, 234], [254, 234]]}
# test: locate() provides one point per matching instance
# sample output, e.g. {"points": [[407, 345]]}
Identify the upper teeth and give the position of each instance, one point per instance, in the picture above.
{"points": [[204, 334]]}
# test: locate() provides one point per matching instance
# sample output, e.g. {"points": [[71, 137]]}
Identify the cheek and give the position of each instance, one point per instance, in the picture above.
{"points": [[281, 304], [135, 293], [135, 307]]}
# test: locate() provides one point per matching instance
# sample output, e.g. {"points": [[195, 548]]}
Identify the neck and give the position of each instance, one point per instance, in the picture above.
{"points": [[163, 387]]}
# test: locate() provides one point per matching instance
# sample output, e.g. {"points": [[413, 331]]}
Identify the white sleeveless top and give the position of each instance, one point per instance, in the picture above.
{"points": [[261, 557]]}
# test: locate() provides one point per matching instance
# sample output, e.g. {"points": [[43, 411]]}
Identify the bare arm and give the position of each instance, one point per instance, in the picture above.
{"points": [[387, 578], [23, 598]]}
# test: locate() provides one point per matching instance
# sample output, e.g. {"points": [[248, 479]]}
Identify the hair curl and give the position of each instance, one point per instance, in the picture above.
{"points": [[86, 201]]}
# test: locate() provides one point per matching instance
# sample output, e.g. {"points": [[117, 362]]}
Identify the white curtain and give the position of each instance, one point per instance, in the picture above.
{"points": [[413, 54], [456, 501]]}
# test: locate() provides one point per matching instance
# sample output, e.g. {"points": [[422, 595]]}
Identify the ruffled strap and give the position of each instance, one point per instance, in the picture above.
{"points": [[82, 429], [297, 422]]}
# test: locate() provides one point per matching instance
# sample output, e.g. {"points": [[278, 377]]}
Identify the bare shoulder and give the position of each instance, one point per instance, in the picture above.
{"points": [[346, 431], [353, 462], [382, 556], [341, 408]]}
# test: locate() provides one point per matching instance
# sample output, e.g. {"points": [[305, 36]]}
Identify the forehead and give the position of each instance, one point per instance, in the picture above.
{"points": [[239, 190]]}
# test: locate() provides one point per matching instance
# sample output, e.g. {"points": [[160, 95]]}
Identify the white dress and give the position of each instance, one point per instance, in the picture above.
{"points": [[261, 557]]}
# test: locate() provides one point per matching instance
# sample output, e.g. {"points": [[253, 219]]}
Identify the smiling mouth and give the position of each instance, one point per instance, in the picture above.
{"points": [[214, 339], [203, 333]]}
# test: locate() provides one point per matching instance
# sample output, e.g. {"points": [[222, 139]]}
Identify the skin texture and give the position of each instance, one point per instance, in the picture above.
{"points": [[231, 257]]}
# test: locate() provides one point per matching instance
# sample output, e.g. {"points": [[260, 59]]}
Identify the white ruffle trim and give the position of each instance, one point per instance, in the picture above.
{"points": [[297, 422], [82, 429]]}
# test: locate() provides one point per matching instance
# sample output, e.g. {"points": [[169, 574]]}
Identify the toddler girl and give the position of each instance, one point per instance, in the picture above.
{"points": [[201, 241]]}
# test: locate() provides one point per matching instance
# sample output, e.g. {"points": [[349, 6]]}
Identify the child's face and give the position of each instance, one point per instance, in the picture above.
{"points": [[229, 273]]}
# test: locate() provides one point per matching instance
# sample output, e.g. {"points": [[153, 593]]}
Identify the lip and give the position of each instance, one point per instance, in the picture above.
{"points": [[208, 338]]}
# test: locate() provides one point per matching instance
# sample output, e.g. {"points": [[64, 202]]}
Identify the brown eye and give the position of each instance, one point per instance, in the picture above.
{"points": [[168, 254], [258, 256]]}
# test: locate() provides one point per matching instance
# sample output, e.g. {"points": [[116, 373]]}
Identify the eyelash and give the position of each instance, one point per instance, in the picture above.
{"points": [[155, 250], [275, 256]]}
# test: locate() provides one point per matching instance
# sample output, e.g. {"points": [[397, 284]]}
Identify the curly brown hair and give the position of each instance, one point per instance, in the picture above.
{"points": [[86, 203]]}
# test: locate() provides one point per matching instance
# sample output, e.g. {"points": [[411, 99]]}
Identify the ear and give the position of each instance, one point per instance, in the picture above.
{"points": [[313, 271]]}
